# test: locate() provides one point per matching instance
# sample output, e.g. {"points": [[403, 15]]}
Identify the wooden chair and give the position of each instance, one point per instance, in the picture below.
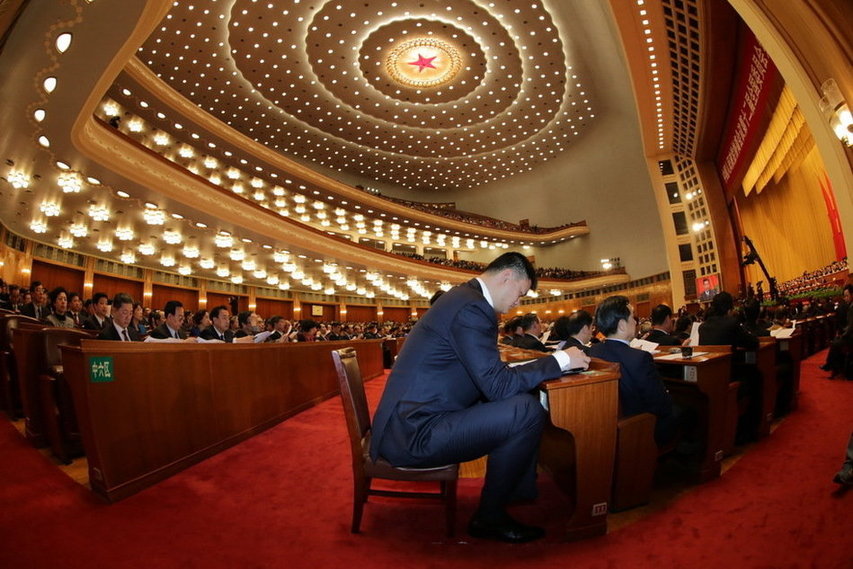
{"points": [[364, 469], [10, 391], [57, 405], [636, 459]]}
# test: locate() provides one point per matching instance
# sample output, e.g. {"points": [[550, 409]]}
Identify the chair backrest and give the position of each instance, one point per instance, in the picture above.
{"points": [[9, 323], [53, 337], [353, 398]]}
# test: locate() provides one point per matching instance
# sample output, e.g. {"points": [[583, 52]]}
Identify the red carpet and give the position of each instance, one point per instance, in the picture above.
{"points": [[282, 499]]}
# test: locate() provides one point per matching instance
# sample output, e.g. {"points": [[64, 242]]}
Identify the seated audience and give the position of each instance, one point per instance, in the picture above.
{"points": [[119, 327], [335, 334], [662, 325], [59, 306], [573, 330], [99, 317], [641, 389], [751, 312], [220, 325], [38, 306], [511, 329], [247, 322], [138, 321], [721, 328], [843, 342], [307, 331], [200, 320], [13, 302], [531, 328], [173, 325], [280, 329], [75, 308]]}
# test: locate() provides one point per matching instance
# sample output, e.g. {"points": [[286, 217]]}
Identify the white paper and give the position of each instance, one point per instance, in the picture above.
{"points": [[644, 345], [782, 333], [164, 340], [262, 336], [694, 334]]}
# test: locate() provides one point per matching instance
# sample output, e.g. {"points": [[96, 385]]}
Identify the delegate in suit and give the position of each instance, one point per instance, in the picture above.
{"points": [[640, 387], [449, 398]]}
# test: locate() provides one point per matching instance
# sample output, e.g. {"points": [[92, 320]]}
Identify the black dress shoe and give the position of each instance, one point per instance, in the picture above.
{"points": [[507, 530]]}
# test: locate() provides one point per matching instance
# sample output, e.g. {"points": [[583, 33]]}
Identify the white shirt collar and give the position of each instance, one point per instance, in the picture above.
{"points": [[485, 292]]}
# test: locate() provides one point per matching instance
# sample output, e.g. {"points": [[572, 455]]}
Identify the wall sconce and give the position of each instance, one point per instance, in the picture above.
{"points": [[837, 111]]}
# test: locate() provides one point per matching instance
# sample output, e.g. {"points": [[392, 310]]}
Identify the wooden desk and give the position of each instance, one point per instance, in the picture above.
{"points": [[149, 410], [585, 406], [789, 356], [579, 446], [709, 374], [765, 360]]}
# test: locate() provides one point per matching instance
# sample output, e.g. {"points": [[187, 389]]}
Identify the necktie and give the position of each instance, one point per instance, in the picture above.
{"points": [[126, 337]]}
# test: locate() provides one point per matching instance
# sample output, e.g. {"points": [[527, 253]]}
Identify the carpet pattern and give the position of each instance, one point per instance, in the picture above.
{"points": [[283, 499]]}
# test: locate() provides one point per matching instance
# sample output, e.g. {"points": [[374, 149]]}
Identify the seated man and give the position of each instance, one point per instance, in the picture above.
{"points": [[280, 329], [511, 329], [307, 331], [99, 317], [662, 324], [248, 322], [531, 329], [843, 341], [721, 328], [172, 327], [640, 387], [574, 330], [450, 399], [119, 328], [220, 323]]}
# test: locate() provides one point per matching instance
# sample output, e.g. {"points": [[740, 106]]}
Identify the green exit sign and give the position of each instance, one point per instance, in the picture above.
{"points": [[101, 369]]}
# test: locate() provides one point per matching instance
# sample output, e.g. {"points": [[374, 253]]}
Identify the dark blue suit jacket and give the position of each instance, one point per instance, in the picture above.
{"points": [[640, 387], [450, 362]]}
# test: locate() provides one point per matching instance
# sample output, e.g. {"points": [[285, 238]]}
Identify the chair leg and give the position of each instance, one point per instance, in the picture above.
{"points": [[361, 487], [449, 491]]}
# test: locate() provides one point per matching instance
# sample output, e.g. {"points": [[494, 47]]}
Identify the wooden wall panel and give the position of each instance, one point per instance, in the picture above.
{"points": [[52, 276], [215, 299], [268, 307], [396, 314], [360, 313], [113, 285], [161, 294]]}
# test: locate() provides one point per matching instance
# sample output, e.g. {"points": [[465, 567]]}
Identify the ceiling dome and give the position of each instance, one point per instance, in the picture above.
{"points": [[417, 94]]}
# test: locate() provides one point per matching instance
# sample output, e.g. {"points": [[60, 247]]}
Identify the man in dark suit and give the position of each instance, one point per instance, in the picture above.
{"points": [[531, 328], [449, 398], [844, 340], [220, 324], [661, 332], [119, 327], [708, 291], [721, 328], [100, 311], [38, 308], [640, 387], [574, 330], [172, 327]]}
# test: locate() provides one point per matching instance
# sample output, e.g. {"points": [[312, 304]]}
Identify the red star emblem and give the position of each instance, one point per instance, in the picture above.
{"points": [[423, 62]]}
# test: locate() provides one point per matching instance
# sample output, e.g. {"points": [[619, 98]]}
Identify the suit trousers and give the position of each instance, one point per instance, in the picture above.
{"points": [[508, 431]]}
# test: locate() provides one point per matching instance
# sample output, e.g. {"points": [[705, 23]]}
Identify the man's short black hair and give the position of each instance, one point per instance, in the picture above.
{"points": [[306, 325], [273, 320], [214, 312], [519, 264], [172, 307], [435, 296], [567, 326], [611, 310], [512, 324], [243, 317], [751, 309], [660, 313], [98, 296], [528, 320], [121, 299], [722, 303]]}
